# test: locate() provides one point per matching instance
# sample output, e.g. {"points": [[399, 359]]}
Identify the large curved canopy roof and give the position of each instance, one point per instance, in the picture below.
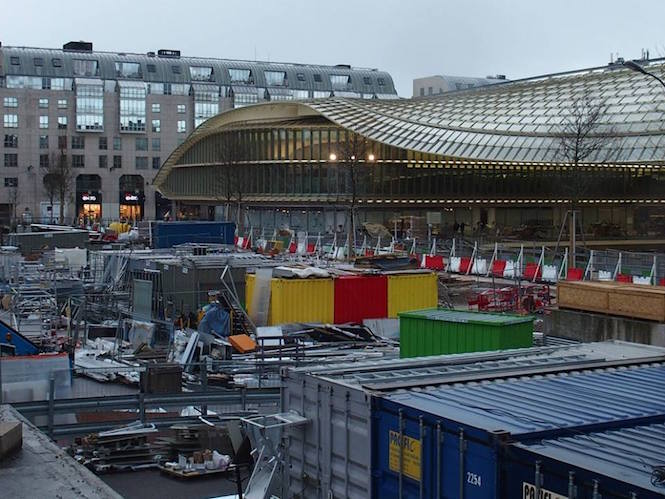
{"points": [[517, 121]]}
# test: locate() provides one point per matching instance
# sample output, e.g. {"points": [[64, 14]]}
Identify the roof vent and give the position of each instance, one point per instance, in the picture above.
{"points": [[79, 46], [151, 54], [174, 54], [345, 66]]}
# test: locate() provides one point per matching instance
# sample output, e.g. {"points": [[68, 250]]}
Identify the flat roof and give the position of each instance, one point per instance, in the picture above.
{"points": [[42, 469]]}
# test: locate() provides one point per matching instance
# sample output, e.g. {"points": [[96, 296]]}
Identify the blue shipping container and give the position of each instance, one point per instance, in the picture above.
{"points": [[447, 441], [169, 234], [612, 464]]}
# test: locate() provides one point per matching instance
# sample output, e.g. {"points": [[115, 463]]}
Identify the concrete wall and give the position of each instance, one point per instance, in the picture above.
{"points": [[589, 327]]}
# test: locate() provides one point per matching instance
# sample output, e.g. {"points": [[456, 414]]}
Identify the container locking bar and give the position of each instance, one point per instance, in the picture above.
{"points": [[401, 452]]}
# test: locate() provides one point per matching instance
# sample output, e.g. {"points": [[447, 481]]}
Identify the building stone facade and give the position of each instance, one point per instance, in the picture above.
{"points": [[118, 116]]}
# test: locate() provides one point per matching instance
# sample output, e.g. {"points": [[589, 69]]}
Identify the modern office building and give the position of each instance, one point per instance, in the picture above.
{"points": [[430, 86], [117, 116], [490, 154]]}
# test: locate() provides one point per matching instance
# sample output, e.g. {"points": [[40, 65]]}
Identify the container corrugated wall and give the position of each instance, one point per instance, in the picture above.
{"points": [[447, 441], [336, 396], [360, 297], [617, 462], [330, 456], [296, 300], [436, 332], [168, 234], [411, 292], [301, 300]]}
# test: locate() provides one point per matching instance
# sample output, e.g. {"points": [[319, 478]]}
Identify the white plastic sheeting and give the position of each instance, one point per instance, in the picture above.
{"points": [[549, 273], [511, 270], [605, 275], [641, 280], [455, 263], [75, 258], [479, 266], [25, 379]]}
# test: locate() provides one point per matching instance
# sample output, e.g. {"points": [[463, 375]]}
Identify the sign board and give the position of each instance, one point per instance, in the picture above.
{"points": [[529, 492], [411, 449]]}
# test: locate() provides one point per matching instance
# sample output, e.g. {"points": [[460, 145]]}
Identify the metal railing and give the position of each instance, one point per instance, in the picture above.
{"points": [[243, 401]]}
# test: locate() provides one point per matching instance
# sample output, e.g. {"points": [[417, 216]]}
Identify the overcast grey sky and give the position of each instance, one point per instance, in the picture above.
{"points": [[408, 38]]}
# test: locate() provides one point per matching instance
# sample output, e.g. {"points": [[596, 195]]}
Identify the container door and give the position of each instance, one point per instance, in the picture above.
{"points": [[399, 458], [468, 467]]}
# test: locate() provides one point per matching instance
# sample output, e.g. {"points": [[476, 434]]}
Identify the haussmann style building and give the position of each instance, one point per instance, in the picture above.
{"points": [[489, 155]]}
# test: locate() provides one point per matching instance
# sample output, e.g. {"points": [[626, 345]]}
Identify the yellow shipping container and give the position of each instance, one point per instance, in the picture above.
{"points": [[296, 300], [408, 292]]}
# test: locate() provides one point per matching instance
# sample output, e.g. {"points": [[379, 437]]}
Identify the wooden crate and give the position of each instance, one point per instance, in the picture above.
{"points": [[580, 295], [628, 300], [638, 301]]}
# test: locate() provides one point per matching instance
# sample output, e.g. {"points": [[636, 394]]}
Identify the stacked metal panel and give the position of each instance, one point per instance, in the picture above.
{"points": [[333, 453]]}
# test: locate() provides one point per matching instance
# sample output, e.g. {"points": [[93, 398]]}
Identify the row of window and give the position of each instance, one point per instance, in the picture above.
{"points": [[180, 108], [12, 102], [90, 67], [78, 161], [126, 123], [43, 103], [78, 142]]}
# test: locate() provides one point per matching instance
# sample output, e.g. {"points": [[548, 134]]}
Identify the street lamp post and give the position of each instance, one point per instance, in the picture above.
{"points": [[632, 65]]}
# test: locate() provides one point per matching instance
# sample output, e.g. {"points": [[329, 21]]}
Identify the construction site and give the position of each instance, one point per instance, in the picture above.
{"points": [[200, 362]]}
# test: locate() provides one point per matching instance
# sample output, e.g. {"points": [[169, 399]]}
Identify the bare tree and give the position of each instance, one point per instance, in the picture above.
{"points": [[584, 137], [58, 180], [354, 158], [229, 152]]}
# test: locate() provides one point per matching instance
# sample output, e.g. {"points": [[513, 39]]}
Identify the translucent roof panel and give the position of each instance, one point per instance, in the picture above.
{"points": [[630, 103]]}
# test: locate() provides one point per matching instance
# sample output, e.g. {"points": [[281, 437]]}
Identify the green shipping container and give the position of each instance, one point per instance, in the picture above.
{"points": [[442, 331]]}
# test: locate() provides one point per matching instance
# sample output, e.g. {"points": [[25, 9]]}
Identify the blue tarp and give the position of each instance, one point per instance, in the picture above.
{"points": [[22, 344], [216, 321]]}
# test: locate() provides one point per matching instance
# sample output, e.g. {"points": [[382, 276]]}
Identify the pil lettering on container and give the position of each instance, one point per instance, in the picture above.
{"points": [[529, 492], [410, 455]]}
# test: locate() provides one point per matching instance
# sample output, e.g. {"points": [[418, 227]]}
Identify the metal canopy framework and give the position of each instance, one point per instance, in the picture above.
{"points": [[510, 129]]}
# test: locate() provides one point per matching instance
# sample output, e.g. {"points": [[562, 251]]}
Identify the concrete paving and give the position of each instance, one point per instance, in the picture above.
{"points": [[150, 484], [41, 469]]}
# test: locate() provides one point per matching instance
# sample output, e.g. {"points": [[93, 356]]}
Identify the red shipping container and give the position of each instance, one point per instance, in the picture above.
{"points": [[465, 263], [360, 297], [498, 267], [575, 274], [434, 262]]}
